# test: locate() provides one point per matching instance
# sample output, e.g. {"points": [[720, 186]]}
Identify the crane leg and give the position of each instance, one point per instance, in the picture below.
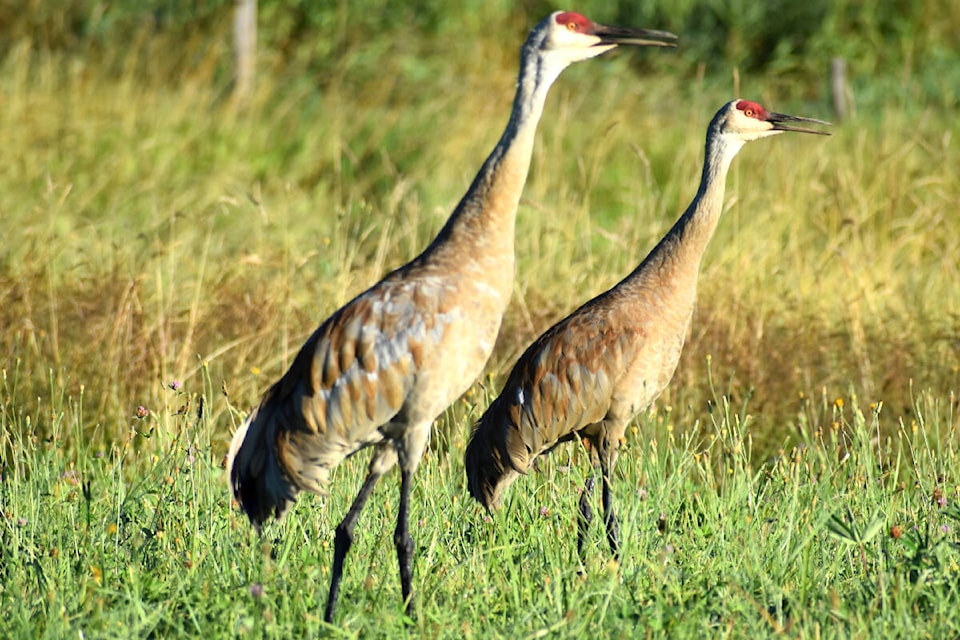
{"points": [[586, 514], [609, 516], [403, 541], [409, 450], [344, 539], [382, 460]]}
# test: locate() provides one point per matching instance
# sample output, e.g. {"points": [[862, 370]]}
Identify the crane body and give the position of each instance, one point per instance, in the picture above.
{"points": [[593, 371]]}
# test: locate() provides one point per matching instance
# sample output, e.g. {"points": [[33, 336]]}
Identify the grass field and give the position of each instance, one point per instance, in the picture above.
{"points": [[166, 251], [842, 533]]}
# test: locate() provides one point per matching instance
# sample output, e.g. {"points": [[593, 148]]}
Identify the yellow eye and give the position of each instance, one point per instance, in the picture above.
{"points": [[572, 26], [748, 113]]}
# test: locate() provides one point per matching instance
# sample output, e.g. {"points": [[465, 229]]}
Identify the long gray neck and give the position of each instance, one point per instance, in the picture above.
{"points": [[683, 247], [483, 223]]}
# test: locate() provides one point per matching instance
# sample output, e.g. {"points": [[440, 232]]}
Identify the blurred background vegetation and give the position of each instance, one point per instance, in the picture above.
{"points": [[156, 230], [904, 46]]}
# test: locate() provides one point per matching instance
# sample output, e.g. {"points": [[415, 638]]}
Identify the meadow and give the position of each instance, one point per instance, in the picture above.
{"points": [[167, 249]]}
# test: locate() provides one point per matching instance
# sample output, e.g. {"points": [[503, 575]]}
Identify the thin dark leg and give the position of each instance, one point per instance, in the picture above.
{"points": [[403, 541], [586, 515], [613, 527], [343, 540]]}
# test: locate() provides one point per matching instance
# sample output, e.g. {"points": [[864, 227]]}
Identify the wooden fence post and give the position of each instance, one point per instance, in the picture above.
{"points": [[245, 40]]}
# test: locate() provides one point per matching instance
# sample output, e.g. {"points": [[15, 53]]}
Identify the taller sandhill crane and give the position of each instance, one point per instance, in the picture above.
{"points": [[590, 373], [383, 367]]}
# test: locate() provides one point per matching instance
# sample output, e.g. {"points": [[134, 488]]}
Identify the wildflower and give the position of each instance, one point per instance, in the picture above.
{"points": [[944, 528], [642, 493], [256, 590], [176, 385], [142, 412], [486, 518], [544, 512], [938, 497], [838, 403], [21, 522], [896, 531]]}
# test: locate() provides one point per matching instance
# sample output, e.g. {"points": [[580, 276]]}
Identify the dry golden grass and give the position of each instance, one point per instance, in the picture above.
{"points": [[153, 231]]}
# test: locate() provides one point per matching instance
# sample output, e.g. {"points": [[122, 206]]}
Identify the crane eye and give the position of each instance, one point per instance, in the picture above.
{"points": [[748, 113], [572, 26]]}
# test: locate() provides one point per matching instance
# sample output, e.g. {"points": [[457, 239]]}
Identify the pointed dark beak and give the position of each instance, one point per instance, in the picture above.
{"points": [[783, 122], [637, 37]]}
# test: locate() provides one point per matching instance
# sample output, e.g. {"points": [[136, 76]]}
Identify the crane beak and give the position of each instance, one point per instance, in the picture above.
{"points": [[638, 37], [783, 122]]}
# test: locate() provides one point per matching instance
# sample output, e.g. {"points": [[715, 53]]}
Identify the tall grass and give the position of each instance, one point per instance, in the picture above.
{"points": [[842, 532], [153, 231]]}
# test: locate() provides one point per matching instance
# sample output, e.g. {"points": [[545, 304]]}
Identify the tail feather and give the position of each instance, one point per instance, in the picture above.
{"points": [[489, 464], [257, 478]]}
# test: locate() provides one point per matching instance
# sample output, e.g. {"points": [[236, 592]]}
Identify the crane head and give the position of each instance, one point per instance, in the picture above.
{"points": [[572, 37], [747, 120]]}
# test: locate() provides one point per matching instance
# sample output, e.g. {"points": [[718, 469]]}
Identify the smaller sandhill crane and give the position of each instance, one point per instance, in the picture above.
{"points": [[382, 368], [590, 373]]}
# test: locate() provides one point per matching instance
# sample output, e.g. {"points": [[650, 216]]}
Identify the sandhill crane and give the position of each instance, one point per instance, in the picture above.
{"points": [[383, 367], [590, 373]]}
